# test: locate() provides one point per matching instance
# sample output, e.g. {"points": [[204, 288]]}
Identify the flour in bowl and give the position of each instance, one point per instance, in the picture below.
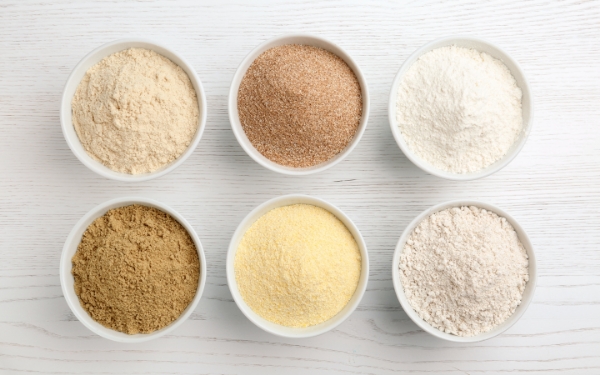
{"points": [[135, 111], [459, 109], [464, 270]]}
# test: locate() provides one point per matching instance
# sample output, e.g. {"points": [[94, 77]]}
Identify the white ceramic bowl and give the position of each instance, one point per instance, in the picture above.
{"points": [[67, 281], [281, 330], [78, 73], [527, 294], [234, 117], [492, 50]]}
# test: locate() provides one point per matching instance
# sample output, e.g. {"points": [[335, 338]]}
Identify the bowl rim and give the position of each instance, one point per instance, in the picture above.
{"points": [[73, 239], [277, 329], [232, 109], [516, 71], [66, 106], [528, 294]]}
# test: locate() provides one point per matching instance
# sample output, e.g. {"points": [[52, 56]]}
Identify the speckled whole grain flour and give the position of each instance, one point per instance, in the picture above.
{"points": [[135, 111], [464, 270], [459, 109], [299, 105]]}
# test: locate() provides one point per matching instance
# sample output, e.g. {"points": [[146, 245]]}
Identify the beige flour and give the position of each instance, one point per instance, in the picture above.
{"points": [[135, 111], [464, 270]]}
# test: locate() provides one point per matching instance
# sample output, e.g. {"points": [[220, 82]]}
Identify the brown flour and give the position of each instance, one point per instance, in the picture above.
{"points": [[136, 269], [299, 105], [135, 111]]}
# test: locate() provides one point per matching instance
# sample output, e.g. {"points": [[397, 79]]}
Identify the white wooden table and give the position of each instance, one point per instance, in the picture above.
{"points": [[552, 187]]}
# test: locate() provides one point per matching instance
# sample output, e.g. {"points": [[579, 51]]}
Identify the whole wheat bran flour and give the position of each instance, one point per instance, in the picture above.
{"points": [[464, 270], [136, 269], [135, 111], [297, 265], [299, 105]]}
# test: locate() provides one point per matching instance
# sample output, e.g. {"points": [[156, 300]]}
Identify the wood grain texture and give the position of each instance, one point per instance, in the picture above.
{"points": [[552, 187]]}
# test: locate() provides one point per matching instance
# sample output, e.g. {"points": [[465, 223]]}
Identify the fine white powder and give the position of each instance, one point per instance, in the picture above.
{"points": [[464, 270], [459, 109]]}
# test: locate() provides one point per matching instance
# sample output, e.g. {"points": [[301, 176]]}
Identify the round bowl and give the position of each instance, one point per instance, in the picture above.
{"points": [[234, 117], [281, 330], [78, 73], [67, 281], [527, 294], [526, 105]]}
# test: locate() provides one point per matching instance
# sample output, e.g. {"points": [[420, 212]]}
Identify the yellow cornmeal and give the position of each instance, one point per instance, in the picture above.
{"points": [[297, 265]]}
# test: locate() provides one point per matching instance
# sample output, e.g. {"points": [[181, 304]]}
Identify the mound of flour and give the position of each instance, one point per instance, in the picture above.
{"points": [[135, 111], [459, 109], [464, 270]]}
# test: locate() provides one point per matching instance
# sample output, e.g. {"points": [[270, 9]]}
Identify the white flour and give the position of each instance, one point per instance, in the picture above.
{"points": [[464, 270], [459, 109]]}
